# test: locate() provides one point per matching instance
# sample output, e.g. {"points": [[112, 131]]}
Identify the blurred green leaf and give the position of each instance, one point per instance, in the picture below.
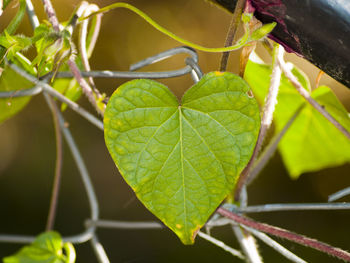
{"points": [[182, 161], [47, 248], [10, 81], [69, 88], [311, 143], [14, 44]]}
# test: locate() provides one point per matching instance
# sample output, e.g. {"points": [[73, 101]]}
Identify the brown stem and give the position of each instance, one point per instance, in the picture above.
{"points": [[282, 233], [84, 85], [58, 169], [236, 18], [51, 14]]}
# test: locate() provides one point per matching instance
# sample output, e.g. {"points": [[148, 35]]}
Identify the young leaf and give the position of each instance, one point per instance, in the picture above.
{"points": [[311, 143], [182, 160], [10, 80], [47, 248]]}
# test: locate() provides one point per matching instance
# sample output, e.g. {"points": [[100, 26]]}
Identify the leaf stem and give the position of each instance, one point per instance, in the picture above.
{"points": [[236, 18], [282, 233], [59, 96], [221, 244], [240, 43], [248, 244], [271, 148], [84, 85], [15, 22], [34, 21], [288, 73], [83, 46], [58, 169], [51, 14], [339, 194]]}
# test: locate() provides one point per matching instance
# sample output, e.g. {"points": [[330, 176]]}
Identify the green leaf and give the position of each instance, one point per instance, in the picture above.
{"points": [[70, 88], [14, 44], [10, 81], [182, 160], [47, 248], [311, 143]]}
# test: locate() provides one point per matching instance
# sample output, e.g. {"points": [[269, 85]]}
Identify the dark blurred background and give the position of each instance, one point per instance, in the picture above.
{"points": [[27, 151]]}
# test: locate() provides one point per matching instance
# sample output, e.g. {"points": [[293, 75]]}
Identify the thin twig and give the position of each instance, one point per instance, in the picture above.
{"points": [[129, 74], [287, 72], [269, 108], [276, 246], [99, 250], [196, 72], [83, 48], [51, 14], [164, 55], [221, 244], [84, 85], [154, 225], [92, 199], [271, 148], [58, 170], [21, 93], [236, 18], [123, 224], [282, 233], [59, 96], [339, 194], [248, 244], [34, 21], [292, 207]]}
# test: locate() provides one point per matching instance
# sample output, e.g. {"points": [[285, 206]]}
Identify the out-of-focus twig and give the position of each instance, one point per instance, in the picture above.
{"points": [[58, 169]]}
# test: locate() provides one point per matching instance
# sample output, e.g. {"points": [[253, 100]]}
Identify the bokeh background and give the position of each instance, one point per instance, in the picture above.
{"points": [[27, 150]]}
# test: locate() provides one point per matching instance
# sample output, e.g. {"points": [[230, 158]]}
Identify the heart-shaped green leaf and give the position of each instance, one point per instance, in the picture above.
{"points": [[182, 160]]}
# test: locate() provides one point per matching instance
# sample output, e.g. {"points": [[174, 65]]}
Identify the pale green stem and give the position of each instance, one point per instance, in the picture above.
{"points": [[240, 43]]}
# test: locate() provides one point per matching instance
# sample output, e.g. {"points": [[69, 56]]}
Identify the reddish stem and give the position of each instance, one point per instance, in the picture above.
{"points": [[282, 233]]}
